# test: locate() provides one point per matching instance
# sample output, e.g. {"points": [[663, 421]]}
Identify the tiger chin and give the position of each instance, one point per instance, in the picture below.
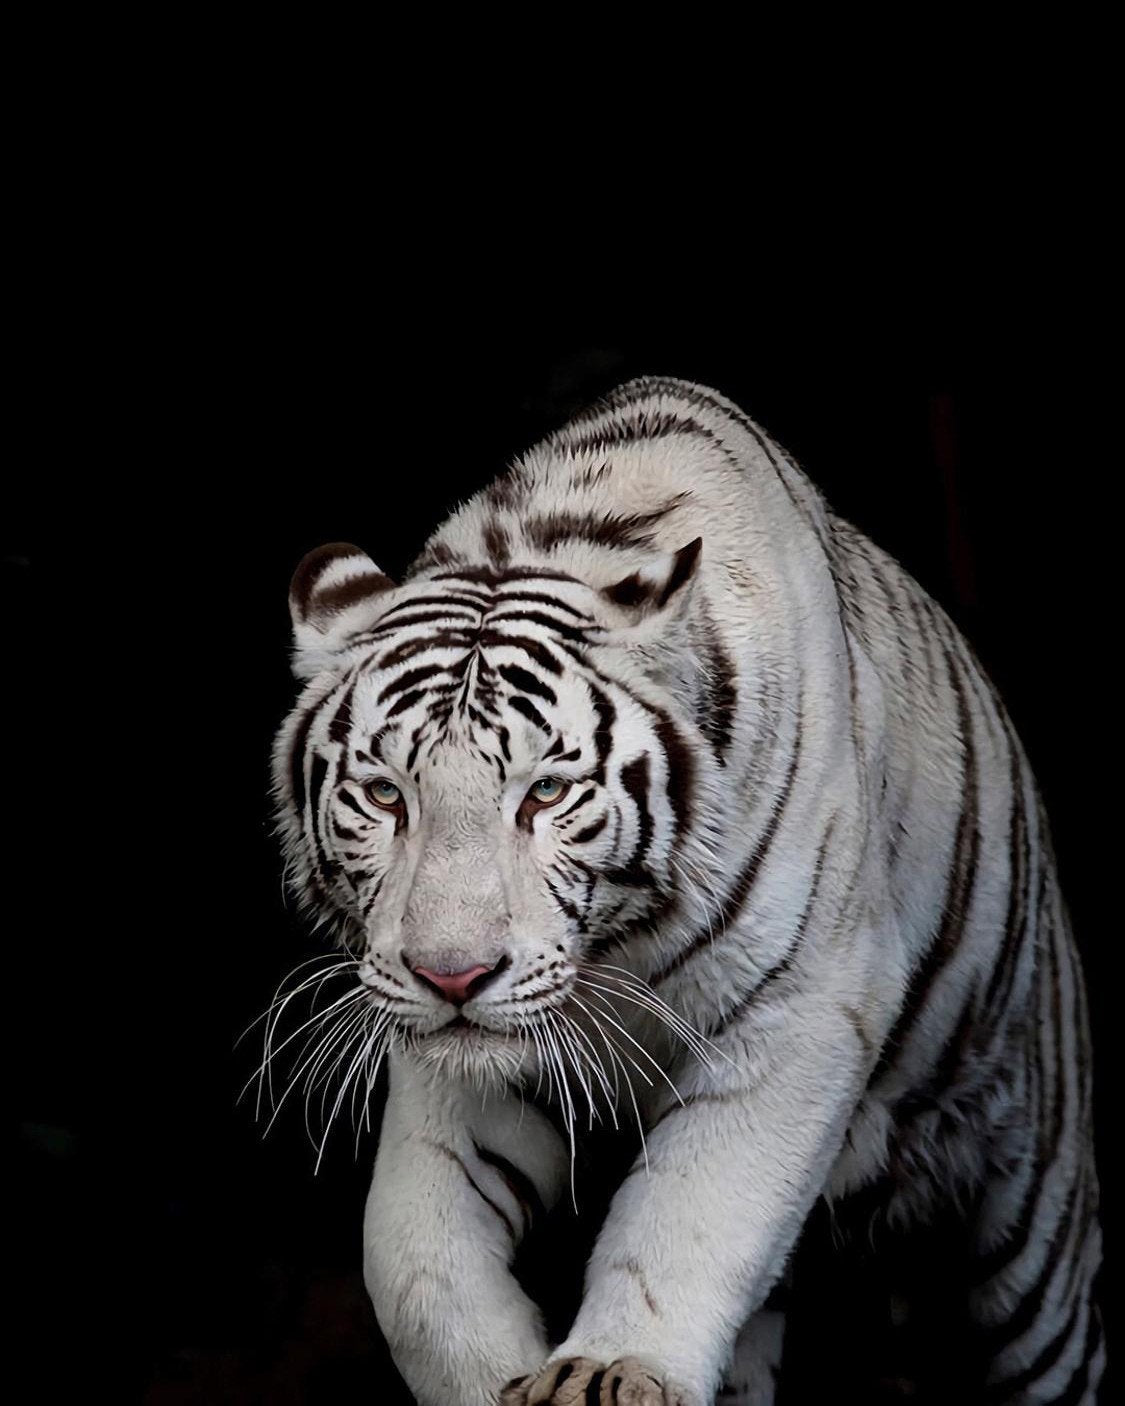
{"points": [[657, 807]]}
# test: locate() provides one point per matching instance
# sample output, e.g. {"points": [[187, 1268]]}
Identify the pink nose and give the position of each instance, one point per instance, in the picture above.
{"points": [[458, 986]]}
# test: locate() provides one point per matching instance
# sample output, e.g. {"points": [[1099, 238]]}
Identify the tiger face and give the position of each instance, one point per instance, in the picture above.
{"points": [[484, 784]]}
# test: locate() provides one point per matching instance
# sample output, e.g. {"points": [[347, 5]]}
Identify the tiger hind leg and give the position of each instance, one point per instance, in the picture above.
{"points": [[1033, 1299], [1038, 1242]]}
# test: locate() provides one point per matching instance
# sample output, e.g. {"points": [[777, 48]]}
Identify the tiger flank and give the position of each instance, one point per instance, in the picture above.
{"points": [[659, 809]]}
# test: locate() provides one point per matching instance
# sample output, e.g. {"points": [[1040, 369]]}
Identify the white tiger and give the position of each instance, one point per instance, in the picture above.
{"points": [[657, 791]]}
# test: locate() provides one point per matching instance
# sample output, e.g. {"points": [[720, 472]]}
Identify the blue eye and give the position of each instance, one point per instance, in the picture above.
{"points": [[383, 793], [548, 790]]}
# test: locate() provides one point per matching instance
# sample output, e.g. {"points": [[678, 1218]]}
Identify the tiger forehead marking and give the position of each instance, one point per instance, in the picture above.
{"points": [[485, 650]]}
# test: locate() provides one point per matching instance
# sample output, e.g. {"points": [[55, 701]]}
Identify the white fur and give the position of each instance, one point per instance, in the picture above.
{"points": [[797, 987]]}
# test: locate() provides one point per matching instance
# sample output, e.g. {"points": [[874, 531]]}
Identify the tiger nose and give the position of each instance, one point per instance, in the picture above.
{"points": [[458, 987]]}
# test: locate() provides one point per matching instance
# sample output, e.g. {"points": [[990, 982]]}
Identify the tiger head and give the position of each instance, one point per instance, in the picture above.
{"points": [[490, 778]]}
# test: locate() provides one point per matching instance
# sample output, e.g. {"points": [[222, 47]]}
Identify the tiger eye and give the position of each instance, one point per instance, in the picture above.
{"points": [[383, 793], [548, 789]]}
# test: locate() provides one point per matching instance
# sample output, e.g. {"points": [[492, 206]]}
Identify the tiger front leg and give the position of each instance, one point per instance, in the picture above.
{"points": [[451, 1197], [692, 1247]]}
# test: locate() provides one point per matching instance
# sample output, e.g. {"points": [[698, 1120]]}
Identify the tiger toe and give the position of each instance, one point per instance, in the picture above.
{"points": [[564, 1383], [580, 1381]]}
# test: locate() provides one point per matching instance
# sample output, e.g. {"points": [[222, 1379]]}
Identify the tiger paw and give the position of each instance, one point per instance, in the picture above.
{"points": [[576, 1381]]}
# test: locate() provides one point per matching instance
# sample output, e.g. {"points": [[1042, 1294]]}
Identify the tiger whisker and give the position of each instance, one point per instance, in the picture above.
{"points": [[594, 1017], [276, 1009], [353, 1069], [615, 1052], [566, 1103], [337, 965], [320, 1075], [643, 993], [575, 1054], [621, 1029], [376, 1049], [270, 1052], [592, 1057], [329, 1040], [686, 1035]]}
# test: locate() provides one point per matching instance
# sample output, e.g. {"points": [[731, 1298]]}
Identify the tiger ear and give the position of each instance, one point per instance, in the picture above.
{"points": [[659, 589], [336, 590]]}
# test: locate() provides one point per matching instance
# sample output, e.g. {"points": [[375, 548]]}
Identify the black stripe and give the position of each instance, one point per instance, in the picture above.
{"points": [[695, 396], [491, 639], [569, 909], [992, 1262], [486, 724], [1005, 1388], [959, 890], [507, 493], [606, 529], [740, 890], [635, 780], [488, 1201], [297, 750], [786, 961], [1078, 1384], [318, 772], [679, 759], [340, 725], [576, 634], [720, 698], [466, 599], [526, 682], [410, 678], [466, 616], [541, 598], [406, 702], [606, 715], [415, 745], [578, 803], [528, 710], [496, 543], [681, 768], [682, 570], [443, 639], [1003, 1334], [519, 1184], [350, 801], [332, 600], [995, 1004], [367, 907], [635, 423], [591, 832]]}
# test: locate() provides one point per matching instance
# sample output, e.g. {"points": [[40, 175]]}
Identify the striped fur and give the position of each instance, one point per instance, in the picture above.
{"points": [[800, 871]]}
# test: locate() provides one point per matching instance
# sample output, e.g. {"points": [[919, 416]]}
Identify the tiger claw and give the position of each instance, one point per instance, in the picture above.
{"points": [[580, 1381]]}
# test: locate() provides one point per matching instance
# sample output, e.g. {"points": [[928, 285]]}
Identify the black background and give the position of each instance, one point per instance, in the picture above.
{"points": [[225, 403]]}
